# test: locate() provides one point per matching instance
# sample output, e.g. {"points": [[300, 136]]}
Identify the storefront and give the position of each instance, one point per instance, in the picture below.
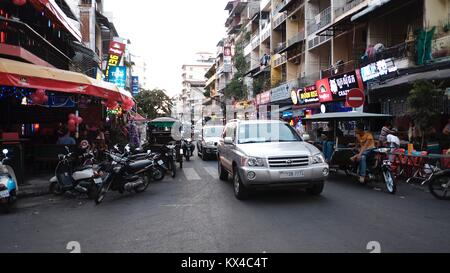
{"points": [[36, 101]]}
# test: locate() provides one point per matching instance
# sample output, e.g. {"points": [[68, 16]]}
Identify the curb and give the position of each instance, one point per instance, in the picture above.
{"points": [[33, 192]]}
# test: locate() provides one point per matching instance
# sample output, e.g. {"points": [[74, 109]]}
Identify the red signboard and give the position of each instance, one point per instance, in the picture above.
{"points": [[116, 48], [323, 87], [263, 98], [355, 98]]}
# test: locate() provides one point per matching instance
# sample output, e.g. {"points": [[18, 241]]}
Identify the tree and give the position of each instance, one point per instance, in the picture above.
{"points": [[154, 103], [421, 107], [236, 87]]}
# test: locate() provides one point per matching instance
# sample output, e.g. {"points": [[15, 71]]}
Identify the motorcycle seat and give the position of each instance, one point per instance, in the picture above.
{"points": [[82, 168], [139, 164], [137, 156]]}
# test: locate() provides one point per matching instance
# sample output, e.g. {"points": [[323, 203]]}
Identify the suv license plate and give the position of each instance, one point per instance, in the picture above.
{"points": [[296, 174], [4, 194]]}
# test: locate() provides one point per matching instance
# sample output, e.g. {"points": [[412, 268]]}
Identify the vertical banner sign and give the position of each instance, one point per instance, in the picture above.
{"points": [[118, 76], [227, 65], [135, 85], [116, 51]]}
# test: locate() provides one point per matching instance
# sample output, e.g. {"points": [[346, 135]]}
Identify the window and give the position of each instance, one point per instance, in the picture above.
{"points": [[230, 131], [267, 132]]}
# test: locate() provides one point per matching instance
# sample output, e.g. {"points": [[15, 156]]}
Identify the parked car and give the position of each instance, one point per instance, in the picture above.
{"points": [[207, 146], [269, 154]]}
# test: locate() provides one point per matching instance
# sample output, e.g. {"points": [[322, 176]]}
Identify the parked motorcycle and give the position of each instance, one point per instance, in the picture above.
{"points": [[187, 148], [378, 169], [157, 172], [8, 184], [439, 184], [124, 175], [74, 178]]}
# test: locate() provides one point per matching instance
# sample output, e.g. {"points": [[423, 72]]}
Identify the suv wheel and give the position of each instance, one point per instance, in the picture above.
{"points": [[316, 189], [223, 174], [240, 191]]}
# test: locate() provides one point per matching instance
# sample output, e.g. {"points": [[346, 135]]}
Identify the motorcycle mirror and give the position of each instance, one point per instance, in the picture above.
{"points": [[5, 152]]}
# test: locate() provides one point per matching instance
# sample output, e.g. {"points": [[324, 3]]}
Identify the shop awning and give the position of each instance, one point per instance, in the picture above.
{"points": [[346, 116], [375, 4], [410, 79], [24, 75], [51, 8], [138, 118]]}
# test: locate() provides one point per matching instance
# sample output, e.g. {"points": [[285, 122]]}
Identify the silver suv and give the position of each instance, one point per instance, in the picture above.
{"points": [[269, 154]]}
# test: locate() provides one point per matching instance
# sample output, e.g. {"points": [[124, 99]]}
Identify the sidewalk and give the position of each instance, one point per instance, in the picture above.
{"points": [[35, 186]]}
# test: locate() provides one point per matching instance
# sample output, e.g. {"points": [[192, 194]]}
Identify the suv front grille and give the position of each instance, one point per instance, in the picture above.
{"points": [[288, 162]]}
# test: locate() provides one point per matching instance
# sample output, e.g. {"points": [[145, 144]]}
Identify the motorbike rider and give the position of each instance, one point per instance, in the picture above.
{"points": [[366, 145]]}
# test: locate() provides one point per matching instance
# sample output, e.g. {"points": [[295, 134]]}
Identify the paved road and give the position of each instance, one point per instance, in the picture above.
{"points": [[198, 213]]}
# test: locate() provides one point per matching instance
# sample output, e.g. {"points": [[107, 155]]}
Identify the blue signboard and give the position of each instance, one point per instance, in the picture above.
{"points": [[118, 76], [135, 85]]}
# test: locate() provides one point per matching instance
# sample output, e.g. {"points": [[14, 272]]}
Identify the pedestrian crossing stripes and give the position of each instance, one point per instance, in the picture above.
{"points": [[212, 171], [191, 174]]}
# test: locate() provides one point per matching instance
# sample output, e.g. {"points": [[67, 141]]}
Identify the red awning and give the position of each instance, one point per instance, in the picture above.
{"points": [[24, 75], [137, 117], [54, 11]]}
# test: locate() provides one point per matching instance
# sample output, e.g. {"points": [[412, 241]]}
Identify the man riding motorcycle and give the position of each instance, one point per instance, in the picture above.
{"points": [[366, 145]]}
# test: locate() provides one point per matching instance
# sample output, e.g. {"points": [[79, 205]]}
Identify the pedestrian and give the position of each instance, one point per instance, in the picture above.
{"points": [[385, 131], [66, 139], [414, 133]]}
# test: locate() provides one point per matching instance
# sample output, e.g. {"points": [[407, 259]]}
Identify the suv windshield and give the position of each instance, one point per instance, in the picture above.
{"points": [[266, 132], [213, 132]]}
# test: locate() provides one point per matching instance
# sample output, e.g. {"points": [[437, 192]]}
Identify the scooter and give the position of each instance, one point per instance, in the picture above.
{"points": [[378, 169], [188, 148], [8, 184], [77, 180]]}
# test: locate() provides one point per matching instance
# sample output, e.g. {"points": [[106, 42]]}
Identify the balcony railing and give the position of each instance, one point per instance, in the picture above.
{"points": [[319, 21], [340, 69], [348, 6], [21, 35], [280, 47], [281, 59], [295, 6], [300, 36], [279, 20], [256, 40], [266, 32], [402, 50]]}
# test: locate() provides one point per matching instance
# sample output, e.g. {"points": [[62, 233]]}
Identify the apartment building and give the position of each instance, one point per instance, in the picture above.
{"points": [[294, 44], [194, 80]]}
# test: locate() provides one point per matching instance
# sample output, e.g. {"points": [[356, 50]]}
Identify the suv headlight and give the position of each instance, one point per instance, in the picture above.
{"points": [[253, 162], [317, 159]]}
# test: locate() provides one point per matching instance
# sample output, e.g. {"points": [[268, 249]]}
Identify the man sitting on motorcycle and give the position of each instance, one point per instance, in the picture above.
{"points": [[366, 144]]}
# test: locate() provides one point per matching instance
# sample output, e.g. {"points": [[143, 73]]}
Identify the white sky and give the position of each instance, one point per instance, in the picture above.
{"points": [[167, 33]]}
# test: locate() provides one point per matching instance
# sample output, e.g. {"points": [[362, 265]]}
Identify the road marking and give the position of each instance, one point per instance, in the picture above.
{"points": [[191, 174], [212, 171]]}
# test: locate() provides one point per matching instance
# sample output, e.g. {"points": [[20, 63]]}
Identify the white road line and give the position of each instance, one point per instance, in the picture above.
{"points": [[191, 174], [212, 171]]}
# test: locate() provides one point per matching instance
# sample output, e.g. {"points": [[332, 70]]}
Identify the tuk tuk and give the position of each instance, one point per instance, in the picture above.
{"points": [[165, 131], [344, 145]]}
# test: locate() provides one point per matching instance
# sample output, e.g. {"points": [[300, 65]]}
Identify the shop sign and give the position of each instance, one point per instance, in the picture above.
{"points": [[116, 51], [378, 69], [263, 98], [307, 95], [323, 87], [283, 92], [135, 85], [118, 76], [342, 84]]}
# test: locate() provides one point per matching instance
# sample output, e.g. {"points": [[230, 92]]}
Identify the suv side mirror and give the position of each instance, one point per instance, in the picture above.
{"points": [[228, 141]]}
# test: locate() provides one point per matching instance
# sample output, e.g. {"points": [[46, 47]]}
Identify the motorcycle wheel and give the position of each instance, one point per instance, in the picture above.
{"points": [[56, 189], [389, 180], [93, 191], [10, 204], [157, 174], [439, 187], [173, 168], [144, 186]]}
